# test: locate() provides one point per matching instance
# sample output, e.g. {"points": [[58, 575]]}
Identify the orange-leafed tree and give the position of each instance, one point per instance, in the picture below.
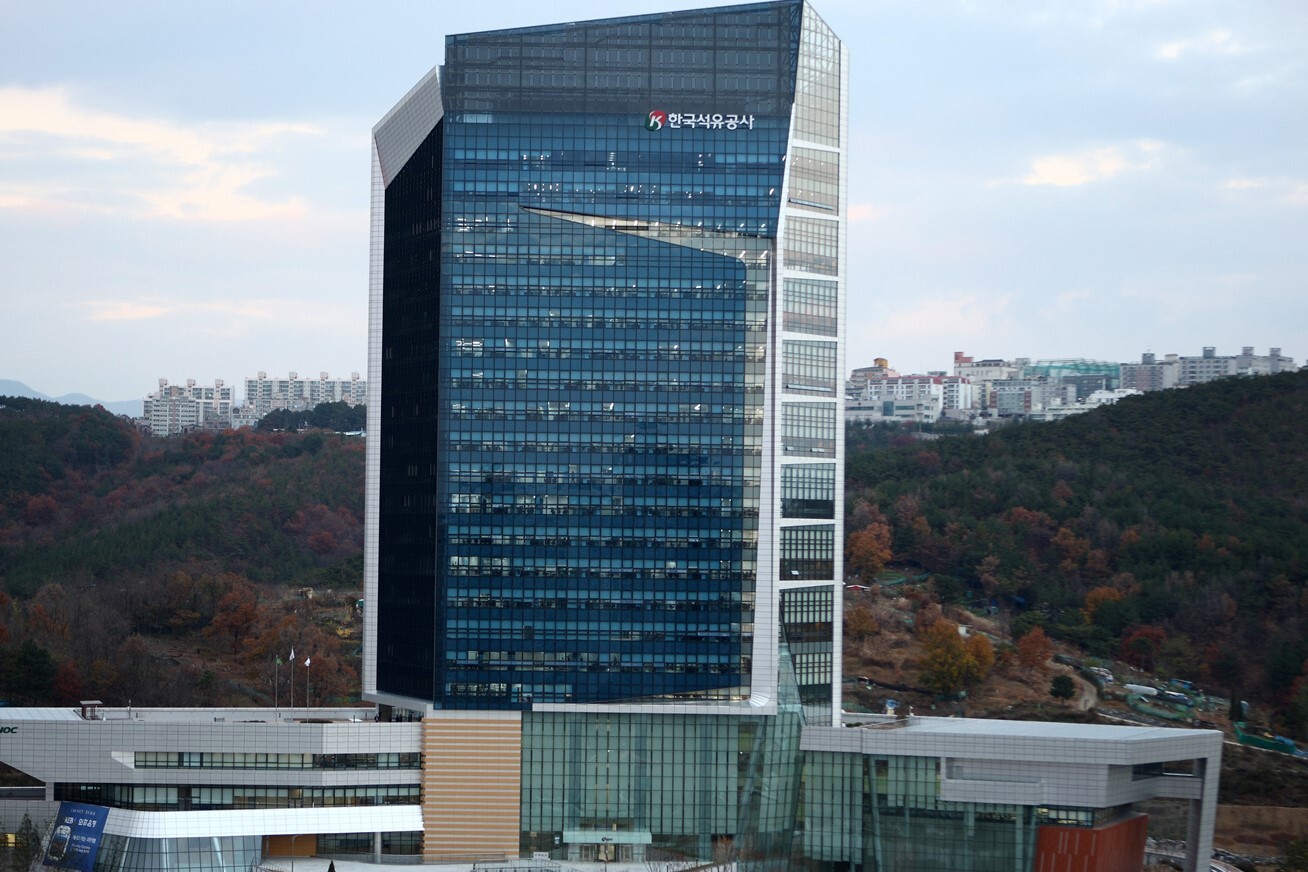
{"points": [[237, 613], [980, 649], [1097, 597], [868, 550], [1034, 650]]}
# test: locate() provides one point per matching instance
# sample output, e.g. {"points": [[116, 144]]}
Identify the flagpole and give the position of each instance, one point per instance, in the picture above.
{"points": [[306, 684], [277, 681], [292, 681]]}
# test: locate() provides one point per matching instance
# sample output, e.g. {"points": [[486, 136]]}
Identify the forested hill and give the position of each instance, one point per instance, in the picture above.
{"points": [[106, 535], [1169, 528]]}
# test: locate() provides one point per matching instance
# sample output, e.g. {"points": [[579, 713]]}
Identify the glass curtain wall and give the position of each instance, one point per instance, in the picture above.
{"points": [[608, 198]]}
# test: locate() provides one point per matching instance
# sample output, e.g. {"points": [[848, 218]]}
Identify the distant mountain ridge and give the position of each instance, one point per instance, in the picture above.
{"points": [[131, 408]]}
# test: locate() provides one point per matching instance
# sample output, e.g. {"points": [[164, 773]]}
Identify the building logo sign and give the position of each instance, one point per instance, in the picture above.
{"points": [[658, 119], [8, 730]]}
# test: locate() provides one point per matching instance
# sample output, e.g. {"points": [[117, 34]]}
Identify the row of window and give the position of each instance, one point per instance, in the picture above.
{"points": [[543, 345], [817, 85], [808, 553], [457, 568], [809, 367], [622, 476], [810, 306], [329, 844], [523, 505], [696, 448], [223, 760], [632, 80], [642, 55], [146, 797], [508, 316], [813, 245], [569, 287], [808, 429], [697, 633], [542, 601]]}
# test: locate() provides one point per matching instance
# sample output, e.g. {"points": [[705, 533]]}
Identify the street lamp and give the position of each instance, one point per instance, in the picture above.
{"points": [[293, 838]]}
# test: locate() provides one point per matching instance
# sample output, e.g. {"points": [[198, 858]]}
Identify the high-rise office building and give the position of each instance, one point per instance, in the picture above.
{"points": [[606, 366], [604, 491], [602, 552]]}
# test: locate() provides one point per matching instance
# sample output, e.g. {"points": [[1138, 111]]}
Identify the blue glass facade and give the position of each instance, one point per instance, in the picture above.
{"points": [[583, 378]]}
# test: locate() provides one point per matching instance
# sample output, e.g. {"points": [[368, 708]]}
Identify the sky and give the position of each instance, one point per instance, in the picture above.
{"points": [[184, 187]]}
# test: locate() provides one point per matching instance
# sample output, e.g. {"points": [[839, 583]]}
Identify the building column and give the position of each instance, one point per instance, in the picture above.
{"points": [[1202, 816]]}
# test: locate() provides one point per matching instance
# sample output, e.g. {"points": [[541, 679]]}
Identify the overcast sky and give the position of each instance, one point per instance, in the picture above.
{"points": [[184, 186]]}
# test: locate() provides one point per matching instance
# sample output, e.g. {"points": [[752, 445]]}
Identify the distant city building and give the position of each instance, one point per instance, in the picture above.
{"points": [[921, 398], [880, 369], [1209, 366], [174, 409], [264, 394], [1021, 396], [1058, 410], [1152, 374], [1087, 376], [983, 374]]}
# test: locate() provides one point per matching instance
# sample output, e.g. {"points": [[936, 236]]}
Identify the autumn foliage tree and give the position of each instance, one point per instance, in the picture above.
{"points": [[1140, 646], [868, 549], [951, 663], [237, 613], [860, 623], [980, 649], [1034, 650]]}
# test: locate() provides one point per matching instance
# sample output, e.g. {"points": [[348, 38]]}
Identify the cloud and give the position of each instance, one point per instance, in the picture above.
{"points": [[229, 318], [1177, 297], [866, 212], [1291, 191], [123, 310], [139, 165], [1215, 42], [963, 316], [1092, 165], [1068, 300]]}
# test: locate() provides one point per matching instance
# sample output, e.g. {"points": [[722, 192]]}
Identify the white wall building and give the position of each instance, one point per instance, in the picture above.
{"points": [[264, 394], [174, 409], [982, 374], [1152, 374], [1058, 410], [1210, 366]]}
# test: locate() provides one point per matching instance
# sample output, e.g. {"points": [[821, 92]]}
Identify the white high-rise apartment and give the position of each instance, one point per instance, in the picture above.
{"points": [[174, 409]]}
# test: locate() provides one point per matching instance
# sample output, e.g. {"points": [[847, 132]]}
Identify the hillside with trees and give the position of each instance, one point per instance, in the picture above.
{"points": [[173, 571], [1169, 530]]}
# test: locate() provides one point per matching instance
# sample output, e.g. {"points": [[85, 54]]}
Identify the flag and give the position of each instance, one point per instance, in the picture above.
{"points": [[292, 654], [278, 658], [306, 661]]}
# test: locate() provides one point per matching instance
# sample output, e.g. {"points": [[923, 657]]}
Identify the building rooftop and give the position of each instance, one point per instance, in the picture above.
{"points": [[90, 711]]}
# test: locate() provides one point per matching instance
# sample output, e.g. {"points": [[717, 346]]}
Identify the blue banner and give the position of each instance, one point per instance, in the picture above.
{"points": [[78, 831]]}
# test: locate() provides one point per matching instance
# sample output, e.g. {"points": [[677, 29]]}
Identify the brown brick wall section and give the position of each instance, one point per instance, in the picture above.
{"points": [[471, 786], [1115, 847]]}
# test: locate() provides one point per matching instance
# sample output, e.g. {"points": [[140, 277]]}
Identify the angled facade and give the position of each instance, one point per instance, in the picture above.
{"points": [[605, 366]]}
